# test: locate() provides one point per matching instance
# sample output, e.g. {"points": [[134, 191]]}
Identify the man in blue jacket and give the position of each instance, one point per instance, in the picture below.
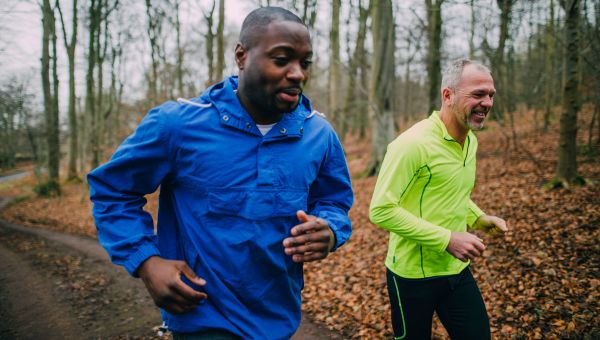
{"points": [[253, 183]]}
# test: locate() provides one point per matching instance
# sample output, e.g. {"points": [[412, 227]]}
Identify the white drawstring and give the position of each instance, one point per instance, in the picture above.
{"points": [[185, 101], [315, 112]]}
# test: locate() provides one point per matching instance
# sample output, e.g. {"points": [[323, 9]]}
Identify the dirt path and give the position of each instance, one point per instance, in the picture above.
{"points": [[59, 286]]}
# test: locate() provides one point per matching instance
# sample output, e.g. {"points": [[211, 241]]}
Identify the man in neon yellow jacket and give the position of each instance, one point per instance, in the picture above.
{"points": [[422, 197]]}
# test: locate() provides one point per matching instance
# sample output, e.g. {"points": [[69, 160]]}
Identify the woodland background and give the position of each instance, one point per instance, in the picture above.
{"points": [[104, 63]]}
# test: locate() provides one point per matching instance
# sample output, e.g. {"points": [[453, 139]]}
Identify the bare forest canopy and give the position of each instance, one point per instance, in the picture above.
{"points": [[103, 63]]}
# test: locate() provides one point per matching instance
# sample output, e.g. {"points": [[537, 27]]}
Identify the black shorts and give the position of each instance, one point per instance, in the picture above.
{"points": [[455, 298]]}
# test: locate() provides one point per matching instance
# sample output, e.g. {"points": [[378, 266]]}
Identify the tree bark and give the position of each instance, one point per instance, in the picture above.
{"points": [[549, 69], [566, 169], [334, 68], [90, 97], [70, 45], [49, 88], [180, 52], [500, 105], [355, 98], [381, 85], [220, 42], [434, 38], [472, 31], [209, 38], [154, 30]]}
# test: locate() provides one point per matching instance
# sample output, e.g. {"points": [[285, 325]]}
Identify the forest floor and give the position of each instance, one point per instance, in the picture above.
{"points": [[539, 281]]}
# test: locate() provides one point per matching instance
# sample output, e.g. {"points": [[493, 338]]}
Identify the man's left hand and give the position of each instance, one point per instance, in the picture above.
{"points": [[311, 240], [491, 224]]}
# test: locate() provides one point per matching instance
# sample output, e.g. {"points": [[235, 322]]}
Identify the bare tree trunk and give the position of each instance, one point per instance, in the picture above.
{"points": [[179, 66], [210, 38], [472, 31], [50, 97], [70, 47], [434, 38], [363, 68], [500, 105], [354, 99], [101, 48], [334, 68], [220, 42], [90, 97], [154, 30], [53, 129], [549, 69], [566, 170], [381, 85]]}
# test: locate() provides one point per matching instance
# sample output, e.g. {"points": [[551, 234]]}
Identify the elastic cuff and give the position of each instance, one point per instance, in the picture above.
{"points": [[137, 258], [446, 241], [336, 243]]}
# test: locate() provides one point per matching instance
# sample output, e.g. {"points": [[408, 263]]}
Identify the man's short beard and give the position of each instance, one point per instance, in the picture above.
{"points": [[474, 126]]}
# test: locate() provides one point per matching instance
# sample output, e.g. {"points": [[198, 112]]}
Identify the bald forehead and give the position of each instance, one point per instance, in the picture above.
{"points": [[258, 22]]}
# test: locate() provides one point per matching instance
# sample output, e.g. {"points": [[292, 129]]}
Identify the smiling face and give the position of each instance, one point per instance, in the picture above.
{"points": [[473, 98], [274, 70]]}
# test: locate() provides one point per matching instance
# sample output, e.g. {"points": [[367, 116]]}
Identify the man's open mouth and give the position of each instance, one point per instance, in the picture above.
{"points": [[290, 94]]}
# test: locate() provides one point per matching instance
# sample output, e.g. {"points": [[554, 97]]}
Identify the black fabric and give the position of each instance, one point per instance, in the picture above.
{"points": [[456, 299], [216, 334]]}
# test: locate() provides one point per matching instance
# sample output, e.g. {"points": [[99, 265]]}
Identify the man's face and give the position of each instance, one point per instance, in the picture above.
{"points": [[274, 70], [473, 97]]}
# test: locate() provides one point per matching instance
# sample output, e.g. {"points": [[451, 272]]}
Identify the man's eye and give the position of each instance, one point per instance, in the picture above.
{"points": [[281, 61], [306, 63]]}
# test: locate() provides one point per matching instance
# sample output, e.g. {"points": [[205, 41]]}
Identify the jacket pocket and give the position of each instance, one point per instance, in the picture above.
{"points": [[257, 205]]}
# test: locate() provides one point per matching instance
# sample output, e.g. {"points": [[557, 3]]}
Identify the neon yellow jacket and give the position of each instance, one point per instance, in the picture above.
{"points": [[422, 194]]}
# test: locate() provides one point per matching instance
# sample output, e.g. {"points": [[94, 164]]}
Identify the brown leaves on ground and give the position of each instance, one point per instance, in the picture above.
{"points": [[541, 280]]}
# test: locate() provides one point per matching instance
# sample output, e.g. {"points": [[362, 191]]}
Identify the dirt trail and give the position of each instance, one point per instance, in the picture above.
{"points": [[60, 286]]}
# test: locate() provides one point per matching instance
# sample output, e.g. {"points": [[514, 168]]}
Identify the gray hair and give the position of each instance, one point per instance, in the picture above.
{"points": [[452, 74]]}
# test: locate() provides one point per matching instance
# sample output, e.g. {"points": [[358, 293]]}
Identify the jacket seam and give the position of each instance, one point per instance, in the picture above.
{"points": [[421, 211]]}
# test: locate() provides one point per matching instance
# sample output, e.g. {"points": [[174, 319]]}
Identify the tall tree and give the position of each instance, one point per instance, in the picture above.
{"points": [[434, 39], [472, 30], [549, 68], [334, 68], [356, 90], [220, 42], [209, 38], [309, 17], [381, 84], [179, 48], [90, 96], [566, 168], [498, 62], [155, 20], [50, 88], [70, 45]]}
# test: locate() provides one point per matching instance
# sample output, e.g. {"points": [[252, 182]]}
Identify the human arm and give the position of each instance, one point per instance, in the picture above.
{"points": [[491, 224], [404, 162], [466, 246], [162, 279], [311, 240], [326, 225], [117, 189]]}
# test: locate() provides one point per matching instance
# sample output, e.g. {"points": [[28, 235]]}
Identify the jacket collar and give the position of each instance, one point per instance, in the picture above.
{"points": [[223, 98], [435, 118]]}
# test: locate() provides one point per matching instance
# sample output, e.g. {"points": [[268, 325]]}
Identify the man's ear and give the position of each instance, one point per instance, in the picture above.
{"points": [[241, 53], [447, 96]]}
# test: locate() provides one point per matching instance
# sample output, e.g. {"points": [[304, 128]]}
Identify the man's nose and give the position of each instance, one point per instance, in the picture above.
{"points": [[296, 73], [487, 101]]}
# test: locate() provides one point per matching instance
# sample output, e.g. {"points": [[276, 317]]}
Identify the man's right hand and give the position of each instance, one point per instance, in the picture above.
{"points": [[163, 281], [465, 246]]}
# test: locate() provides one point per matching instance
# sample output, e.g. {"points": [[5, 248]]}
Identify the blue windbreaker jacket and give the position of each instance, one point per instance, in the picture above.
{"points": [[228, 198]]}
